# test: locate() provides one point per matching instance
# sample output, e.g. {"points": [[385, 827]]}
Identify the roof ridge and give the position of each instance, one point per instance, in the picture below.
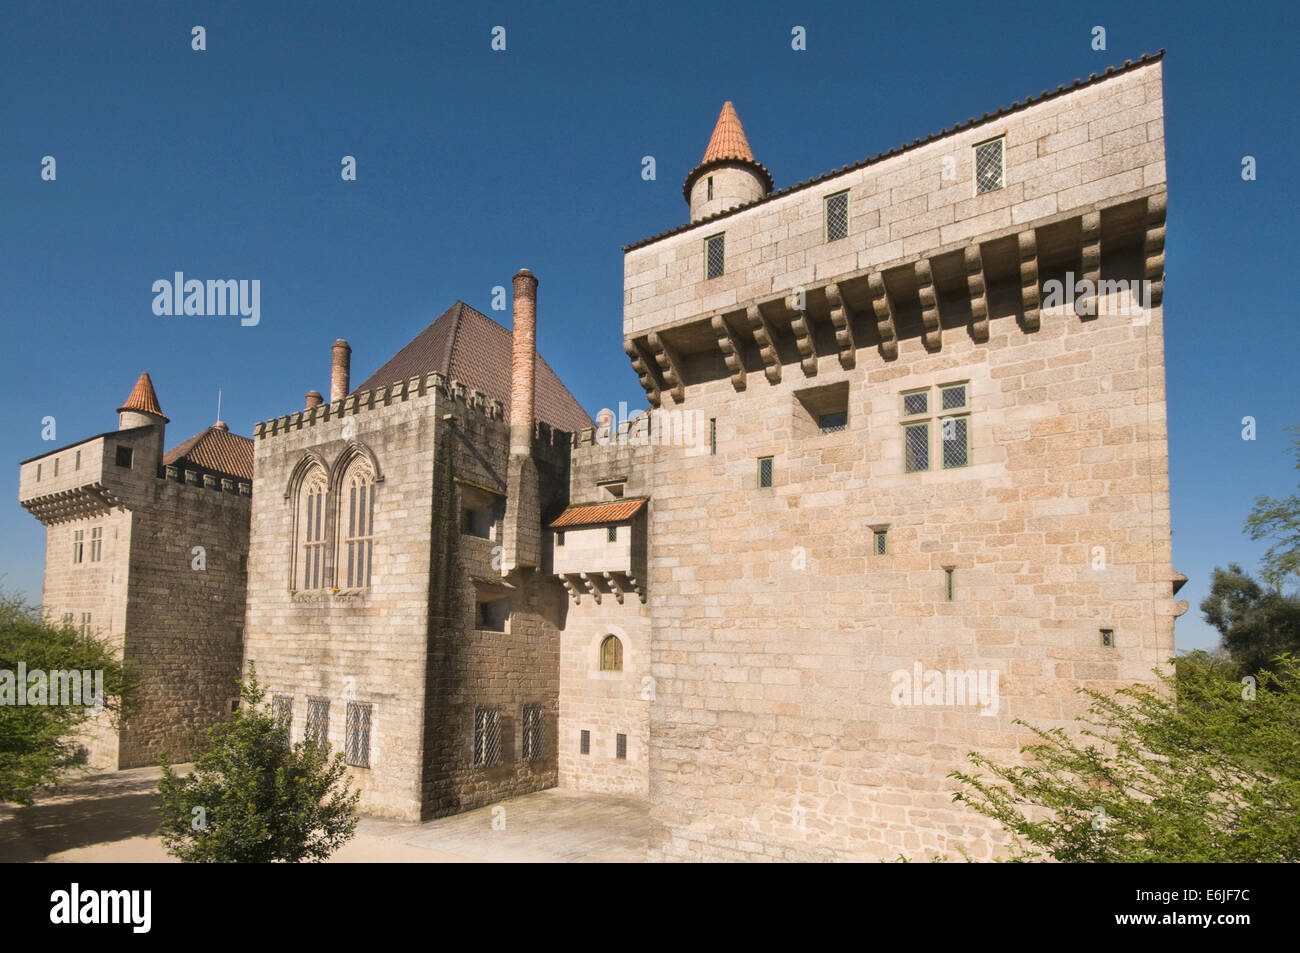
{"points": [[971, 123]]}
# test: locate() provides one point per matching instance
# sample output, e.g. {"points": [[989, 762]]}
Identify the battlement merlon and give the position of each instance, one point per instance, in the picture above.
{"points": [[1083, 168]]}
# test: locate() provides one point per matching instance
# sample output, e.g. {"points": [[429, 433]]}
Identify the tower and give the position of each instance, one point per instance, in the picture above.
{"points": [[142, 410], [728, 175]]}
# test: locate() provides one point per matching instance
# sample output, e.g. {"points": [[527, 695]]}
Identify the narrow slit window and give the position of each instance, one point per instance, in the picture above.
{"points": [[715, 256], [837, 216], [881, 542], [611, 534], [989, 166], [78, 545], [949, 585], [620, 747], [713, 436], [559, 537], [96, 544], [765, 471], [1108, 638], [584, 742]]}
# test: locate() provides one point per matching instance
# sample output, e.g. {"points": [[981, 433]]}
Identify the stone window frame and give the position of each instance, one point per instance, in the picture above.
{"points": [[359, 723], [308, 472], [78, 546], [721, 239], [936, 412], [356, 526], [486, 752], [317, 721], [627, 653], [880, 540], [771, 473], [826, 216], [96, 544], [611, 653], [532, 733], [1001, 141]]}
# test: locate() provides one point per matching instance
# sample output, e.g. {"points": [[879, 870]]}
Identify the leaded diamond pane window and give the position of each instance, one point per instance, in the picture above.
{"points": [[881, 542], [358, 735], [953, 398], [764, 473], [487, 737], [833, 423], [837, 216], [584, 742], [918, 403], [955, 445], [916, 447], [318, 722], [714, 256], [989, 167]]}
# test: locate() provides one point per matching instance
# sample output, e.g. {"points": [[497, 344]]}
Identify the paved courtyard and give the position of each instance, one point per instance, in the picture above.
{"points": [[113, 817]]}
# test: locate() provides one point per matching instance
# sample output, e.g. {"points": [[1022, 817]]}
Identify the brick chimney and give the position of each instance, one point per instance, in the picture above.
{"points": [[523, 364], [340, 367], [314, 399], [522, 532]]}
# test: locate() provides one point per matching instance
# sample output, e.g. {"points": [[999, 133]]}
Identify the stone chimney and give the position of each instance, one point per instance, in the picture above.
{"points": [[522, 532], [340, 368], [314, 399], [523, 364]]}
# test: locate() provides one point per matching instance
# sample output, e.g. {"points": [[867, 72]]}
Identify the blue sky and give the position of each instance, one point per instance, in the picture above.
{"points": [[473, 163]]}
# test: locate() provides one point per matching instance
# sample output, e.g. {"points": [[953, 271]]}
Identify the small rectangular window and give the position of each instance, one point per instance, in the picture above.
{"points": [[487, 737], [559, 538], [38, 473], [764, 473], [611, 534], [317, 729], [56, 466], [1108, 638], [710, 187], [916, 403], [124, 457], [78, 545], [85, 623], [916, 448], [952, 397], [989, 170], [358, 735], [532, 732], [77, 463], [96, 544], [956, 444], [949, 586], [584, 742], [714, 256], [491, 616], [837, 216], [833, 423], [881, 542], [713, 436], [620, 747]]}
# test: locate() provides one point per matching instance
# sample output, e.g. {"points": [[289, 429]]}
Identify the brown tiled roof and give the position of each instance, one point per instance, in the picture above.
{"points": [[143, 398], [915, 143], [590, 514], [216, 449], [727, 144], [470, 347]]}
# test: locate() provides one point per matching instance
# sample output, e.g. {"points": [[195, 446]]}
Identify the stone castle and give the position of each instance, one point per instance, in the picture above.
{"points": [[904, 480]]}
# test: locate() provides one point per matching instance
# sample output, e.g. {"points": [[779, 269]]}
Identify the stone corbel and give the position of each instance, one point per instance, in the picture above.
{"points": [[670, 365], [731, 353], [933, 336], [842, 320], [884, 311], [766, 339], [1029, 296], [803, 338], [977, 288], [573, 590], [614, 587], [641, 364], [1153, 247], [1090, 265], [591, 586]]}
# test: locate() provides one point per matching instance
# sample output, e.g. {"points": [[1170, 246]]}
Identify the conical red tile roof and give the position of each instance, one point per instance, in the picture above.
{"points": [[727, 144], [143, 398]]}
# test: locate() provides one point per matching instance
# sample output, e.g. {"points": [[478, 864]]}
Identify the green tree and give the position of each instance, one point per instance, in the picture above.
{"points": [[1257, 625], [1279, 520], [1211, 776], [40, 743], [253, 797]]}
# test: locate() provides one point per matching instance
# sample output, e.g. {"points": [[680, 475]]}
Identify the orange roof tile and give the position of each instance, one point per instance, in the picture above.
{"points": [[216, 449], [143, 398], [590, 514], [728, 140], [727, 144]]}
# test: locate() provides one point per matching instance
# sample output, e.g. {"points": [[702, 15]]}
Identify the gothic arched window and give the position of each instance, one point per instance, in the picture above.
{"points": [[611, 654], [356, 524], [312, 523]]}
